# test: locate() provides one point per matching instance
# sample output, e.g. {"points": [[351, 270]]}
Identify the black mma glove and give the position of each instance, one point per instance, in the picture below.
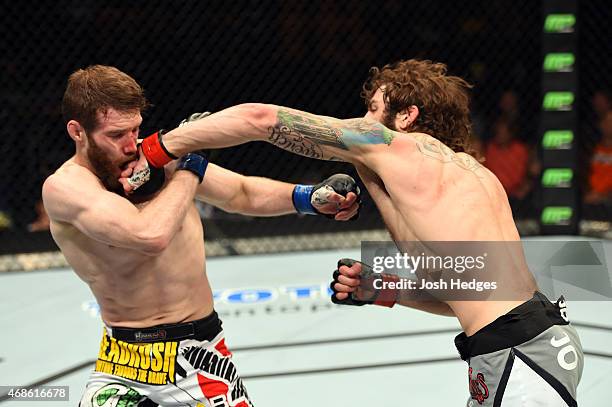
{"points": [[369, 281], [305, 197]]}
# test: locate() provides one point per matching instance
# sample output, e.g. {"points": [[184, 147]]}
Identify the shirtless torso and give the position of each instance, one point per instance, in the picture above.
{"points": [[134, 288], [450, 198]]}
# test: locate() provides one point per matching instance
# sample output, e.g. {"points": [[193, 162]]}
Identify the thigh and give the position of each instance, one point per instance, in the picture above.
{"points": [[544, 371], [190, 372], [556, 356], [206, 371], [109, 391], [485, 377]]}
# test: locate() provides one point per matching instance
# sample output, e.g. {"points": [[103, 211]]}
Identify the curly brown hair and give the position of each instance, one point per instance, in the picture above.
{"points": [[96, 89], [443, 100]]}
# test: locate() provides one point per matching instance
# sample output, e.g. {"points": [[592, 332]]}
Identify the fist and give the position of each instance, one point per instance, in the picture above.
{"points": [[337, 197]]}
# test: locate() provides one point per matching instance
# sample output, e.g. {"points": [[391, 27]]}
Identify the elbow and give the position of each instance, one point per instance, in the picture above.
{"points": [[260, 116], [157, 246], [231, 206], [257, 111], [240, 201], [154, 245]]}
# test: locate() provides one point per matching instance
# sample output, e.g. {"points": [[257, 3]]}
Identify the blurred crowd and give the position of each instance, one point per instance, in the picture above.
{"points": [[513, 156], [599, 189]]}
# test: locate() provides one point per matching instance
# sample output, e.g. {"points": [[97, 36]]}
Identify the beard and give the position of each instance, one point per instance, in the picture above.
{"points": [[104, 168]]}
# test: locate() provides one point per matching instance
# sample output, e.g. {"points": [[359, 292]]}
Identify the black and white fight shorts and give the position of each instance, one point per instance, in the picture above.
{"points": [[529, 357], [184, 364]]}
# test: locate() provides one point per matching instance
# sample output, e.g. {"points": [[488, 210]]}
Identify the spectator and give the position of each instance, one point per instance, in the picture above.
{"points": [[600, 177], [508, 107], [601, 103], [509, 159]]}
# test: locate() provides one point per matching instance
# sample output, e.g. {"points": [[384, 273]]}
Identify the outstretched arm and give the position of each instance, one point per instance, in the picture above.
{"points": [[302, 133], [258, 196], [236, 193]]}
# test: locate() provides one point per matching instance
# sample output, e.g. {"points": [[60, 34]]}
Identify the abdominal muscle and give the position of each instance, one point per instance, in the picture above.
{"points": [[136, 290]]}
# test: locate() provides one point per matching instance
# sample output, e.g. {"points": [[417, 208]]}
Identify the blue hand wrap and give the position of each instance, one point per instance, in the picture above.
{"points": [[301, 199], [195, 163]]}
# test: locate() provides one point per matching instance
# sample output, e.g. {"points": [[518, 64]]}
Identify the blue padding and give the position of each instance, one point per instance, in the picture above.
{"points": [[301, 199], [195, 163]]}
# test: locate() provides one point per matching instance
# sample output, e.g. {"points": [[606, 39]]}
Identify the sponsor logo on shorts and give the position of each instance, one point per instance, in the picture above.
{"points": [[150, 336], [116, 394], [150, 363], [478, 388], [562, 305], [567, 356]]}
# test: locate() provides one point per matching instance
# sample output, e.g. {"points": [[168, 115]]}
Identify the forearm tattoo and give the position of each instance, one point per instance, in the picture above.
{"points": [[312, 136], [317, 137]]}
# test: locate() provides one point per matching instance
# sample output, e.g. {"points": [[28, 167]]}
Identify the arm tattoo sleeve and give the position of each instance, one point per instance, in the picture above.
{"points": [[313, 136]]}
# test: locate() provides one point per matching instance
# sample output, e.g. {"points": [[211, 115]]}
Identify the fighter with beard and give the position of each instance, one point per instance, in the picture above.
{"points": [[105, 168], [145, 262], [410, 150]]}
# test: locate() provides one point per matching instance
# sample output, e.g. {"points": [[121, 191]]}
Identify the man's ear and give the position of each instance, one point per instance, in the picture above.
{"points": [[76, 131], [405, 118]]}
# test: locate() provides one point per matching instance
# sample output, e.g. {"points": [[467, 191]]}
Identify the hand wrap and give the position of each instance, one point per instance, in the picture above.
{"points": [[384, 296], [154, 150], [194, 162], [305, 197]]}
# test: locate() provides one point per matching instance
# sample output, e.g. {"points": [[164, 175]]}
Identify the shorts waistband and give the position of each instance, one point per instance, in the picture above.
{"points": [[206, 328], [519, 325]]}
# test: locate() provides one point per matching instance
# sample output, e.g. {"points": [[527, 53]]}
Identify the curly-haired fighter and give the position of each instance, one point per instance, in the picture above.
{"points": [[427, 188]]}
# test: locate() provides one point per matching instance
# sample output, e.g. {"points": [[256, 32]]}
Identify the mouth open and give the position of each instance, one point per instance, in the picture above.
{"points": [[124, 166]]}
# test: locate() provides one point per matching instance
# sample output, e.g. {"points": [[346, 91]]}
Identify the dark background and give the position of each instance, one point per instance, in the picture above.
{"points": [[206, 55]]}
